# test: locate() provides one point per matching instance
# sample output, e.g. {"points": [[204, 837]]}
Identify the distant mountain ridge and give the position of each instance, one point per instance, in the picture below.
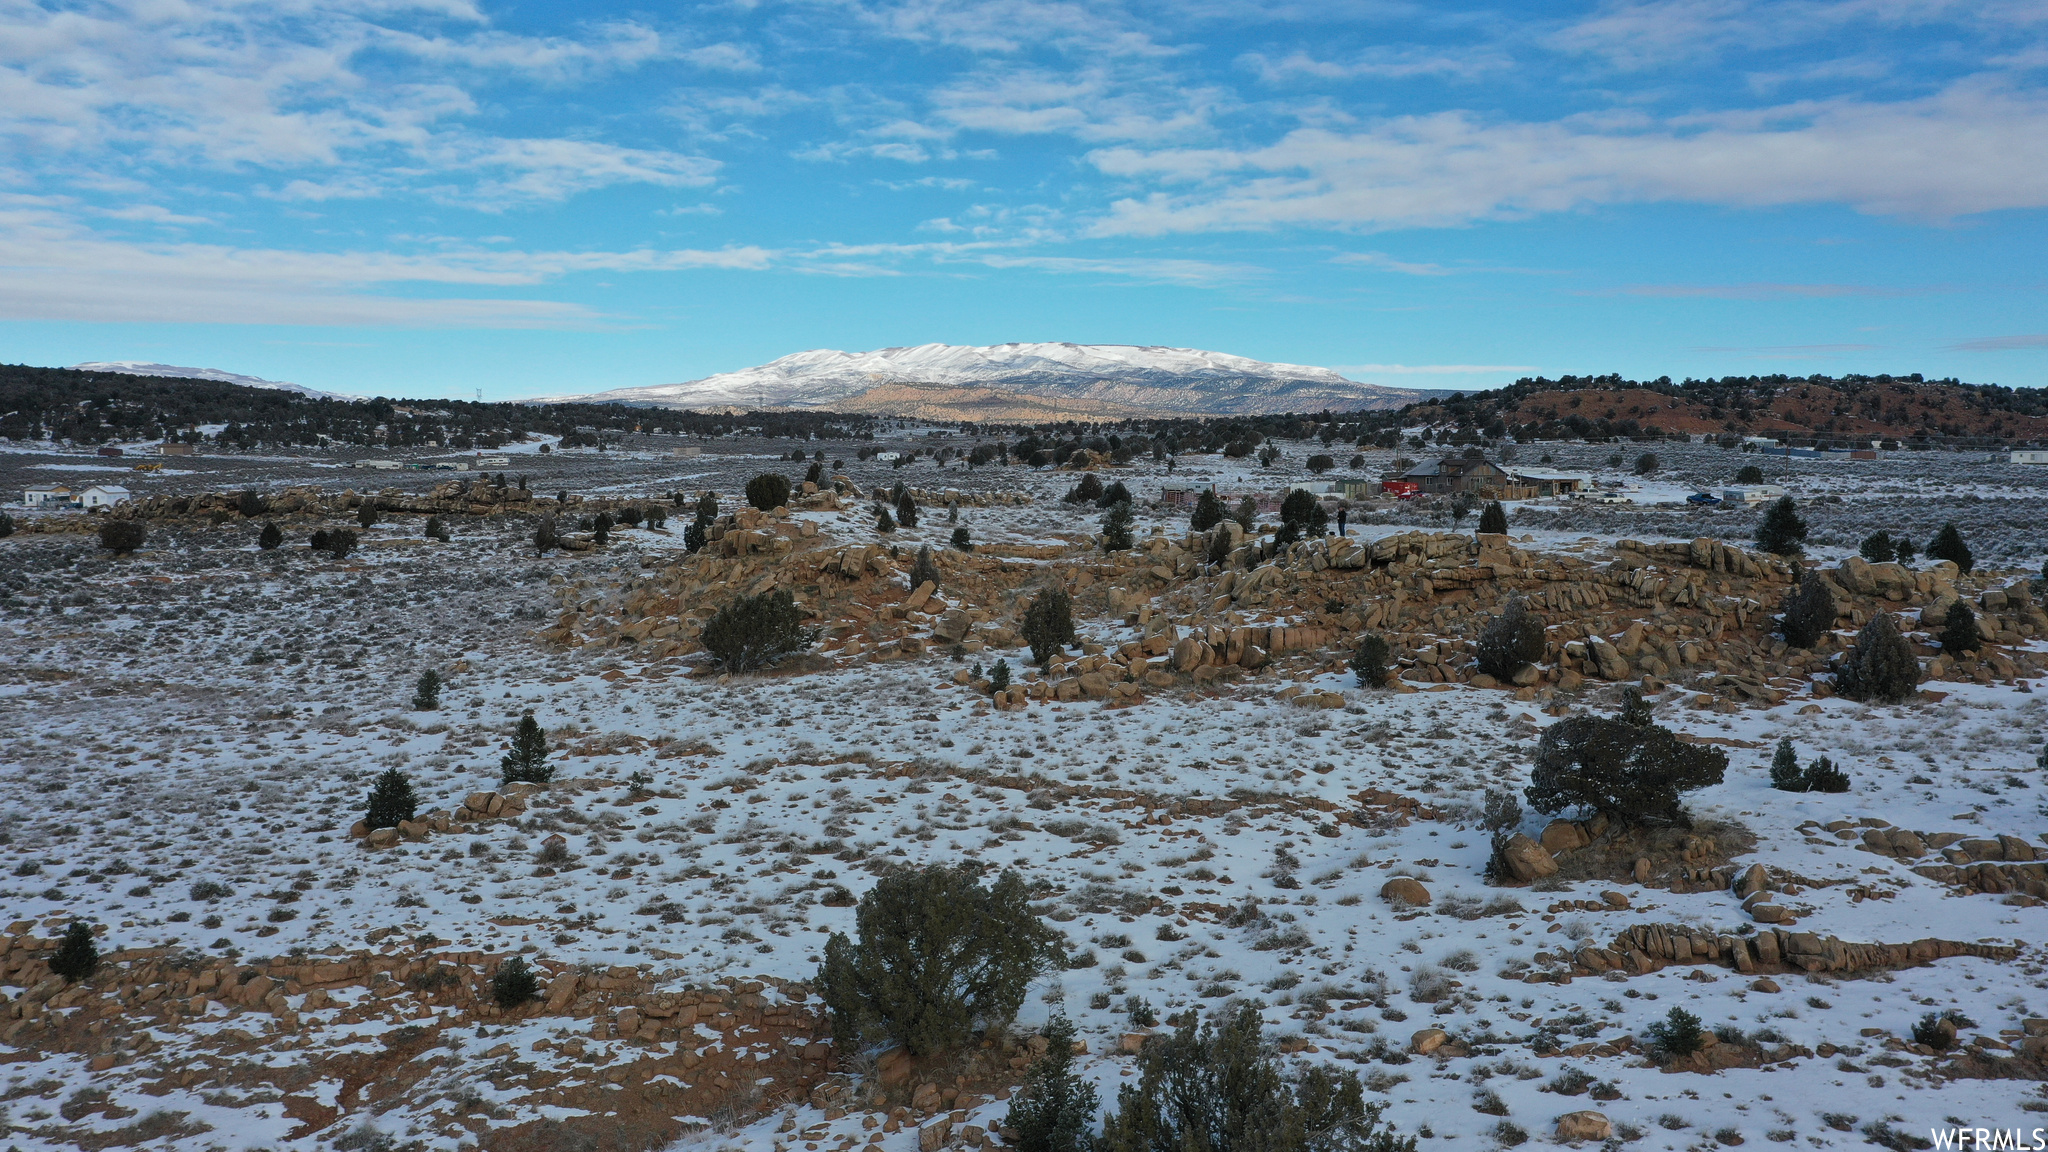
{"points": [[1099, 381], [149, 368]]}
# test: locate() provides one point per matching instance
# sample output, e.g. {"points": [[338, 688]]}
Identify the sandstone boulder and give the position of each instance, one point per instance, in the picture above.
{"points": [[1405, 890], [1427, 1040], [1564, 836], [1584, 1125], [1527, 859], [952, 627]]}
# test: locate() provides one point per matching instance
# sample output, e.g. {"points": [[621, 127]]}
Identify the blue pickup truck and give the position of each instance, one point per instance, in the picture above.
{"points": [[1703, 499]]}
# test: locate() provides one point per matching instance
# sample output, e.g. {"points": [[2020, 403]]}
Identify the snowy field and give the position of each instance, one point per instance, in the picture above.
{"points": [[205, 712]]}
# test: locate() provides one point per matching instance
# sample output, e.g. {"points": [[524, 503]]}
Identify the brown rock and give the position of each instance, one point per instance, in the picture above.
{"points": [[1584, 1125], [1563, 836], [1405, 890], [1527, 859], [1427, 1040]]}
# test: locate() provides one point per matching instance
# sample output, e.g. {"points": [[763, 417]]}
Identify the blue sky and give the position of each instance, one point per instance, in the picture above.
{"points": [[428, 197]]}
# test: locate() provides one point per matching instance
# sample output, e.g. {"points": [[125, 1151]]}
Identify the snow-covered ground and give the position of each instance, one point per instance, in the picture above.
{"points": [[204, 711]]}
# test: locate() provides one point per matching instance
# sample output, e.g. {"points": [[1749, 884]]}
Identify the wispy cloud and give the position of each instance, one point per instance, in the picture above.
{"points": [[1431, 369], [2002, 343], [1753, 291], [1387, 263]]}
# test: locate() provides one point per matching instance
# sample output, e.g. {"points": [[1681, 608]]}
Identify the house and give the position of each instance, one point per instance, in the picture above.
{"points": [[2030, 456], [1751, 493], [1179, 497], [1358, 488], [1549, 483], [380, 465], [1480, 477], [104, 496], [50, 496]]}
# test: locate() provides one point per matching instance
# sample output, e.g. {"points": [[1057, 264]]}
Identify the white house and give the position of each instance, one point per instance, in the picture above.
{"points": [[2030, 456], [1751, 493], [104, 496], [50, 496], [379, 465]]}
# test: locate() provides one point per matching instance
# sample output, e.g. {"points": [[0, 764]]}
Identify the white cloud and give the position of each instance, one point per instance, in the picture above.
{"points": [[1356, 370], [51, 269], [1971, 148], [1383, 261], [1376, 64]]}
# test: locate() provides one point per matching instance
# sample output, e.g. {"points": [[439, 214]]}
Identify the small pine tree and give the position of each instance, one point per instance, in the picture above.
{"points": [[1905, 549], [1880, 667], [1208, 511], [367, 515], [768, 491], [923, 569], [122, 536], [1823, 776], [1809, 612], [544, 538], [1785, 773], [601, 529], [906, 509], [1113, 495], [391, 800], [1948, 545], [1493, 520], [341, 542], [1049, 624], [1116, 527], [1678, 1034], [1294, 511], [885, 523], [6, 525], [962, 540], [1371, 660], [250, 504], [436, 530], [1246, 514], [1510, 641], [527, 761], [1635, 710], [1878, 548], [1782, 532], [1056, 1108], [1959, 631], [77, 956], [1749, 474], [426, 695], [751, 632], [514, 983], [270, 537], [999, 676], [815, 474]]}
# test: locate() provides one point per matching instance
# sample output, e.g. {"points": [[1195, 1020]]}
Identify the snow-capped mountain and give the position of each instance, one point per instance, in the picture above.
{"points": [[1118, 377], [144, 368]]}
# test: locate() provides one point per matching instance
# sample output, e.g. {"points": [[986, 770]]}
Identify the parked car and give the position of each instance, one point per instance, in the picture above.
{"points": [[1703, 499], [1610, 498]]}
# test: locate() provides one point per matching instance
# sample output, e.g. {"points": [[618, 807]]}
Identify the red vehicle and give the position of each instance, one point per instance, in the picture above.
{"points": [[1401, 489]]}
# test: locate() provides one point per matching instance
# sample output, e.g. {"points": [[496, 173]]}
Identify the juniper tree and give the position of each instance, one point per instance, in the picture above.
{"points": [[341, 542], [999, 676], [270, 537], [1510, 641], [251, 504], [1823, 776], [1493, 519], [1208, 511], [77, 956], [544, 538], [436, 530], [1246, 514], [1959, 631], [1749, 474], [936, 958], [6, 525], [923, 569], [751, 632], [1632, 774], [1785, 773], [1048, 625], [366, 515], [1370, 661], [768, 491], [962, 540], [426, 695], [1217, 1087], [122, 536], [514, 983], [527, 760], [1880, 667], [885, 523], [1948, 545], [1116, 527], [906, 509], [1782, 532], [1878, 548], [1809, 612], [1647, 463], [1056, 1107], [391, 802], [1295, 509]]}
